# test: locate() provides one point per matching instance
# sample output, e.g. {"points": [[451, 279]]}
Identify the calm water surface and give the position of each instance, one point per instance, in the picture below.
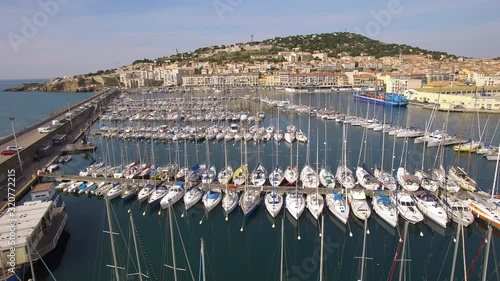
{"points": [[30, 107]]}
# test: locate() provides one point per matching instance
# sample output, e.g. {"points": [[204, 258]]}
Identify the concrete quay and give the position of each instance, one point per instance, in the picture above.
{"points": [[39, 150]]}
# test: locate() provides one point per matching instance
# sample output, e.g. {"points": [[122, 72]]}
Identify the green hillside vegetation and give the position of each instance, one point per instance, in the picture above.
{"points": [[334, 44]]}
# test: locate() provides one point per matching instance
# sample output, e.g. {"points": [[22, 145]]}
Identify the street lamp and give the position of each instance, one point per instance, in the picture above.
{"points": [[70, 116], [15, 141]]}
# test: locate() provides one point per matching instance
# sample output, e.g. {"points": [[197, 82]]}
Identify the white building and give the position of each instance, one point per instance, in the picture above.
{"points": [[399, 85]]}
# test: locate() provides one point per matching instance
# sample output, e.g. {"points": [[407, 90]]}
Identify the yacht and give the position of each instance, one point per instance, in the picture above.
{"points": [[359, 205], [258, 176], [291, 174], [407, 208], [309, 177], [229, 200], [337, 204], [429, 205], [366, 179], [276, 177], [192, 196], [295, 204], [457, 209], [225, 175], [174, 194], [385, 209], [157, 195], [426, 182], [406, 180], [145, 192], [211, 199], [274, 203], [315, 203], [326, 178], [344, 177]]}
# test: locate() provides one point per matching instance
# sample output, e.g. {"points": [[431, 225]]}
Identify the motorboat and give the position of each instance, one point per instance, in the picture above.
{"points": [[430, 206], [359, 205], [407, 208], [174, 194]]}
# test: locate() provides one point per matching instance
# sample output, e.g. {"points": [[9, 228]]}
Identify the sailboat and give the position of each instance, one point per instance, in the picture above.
{"points": [[315, 201], [230, 198], [192, 196], [294, 201], [145, 192], [365, 178], [488, 210], [344, 174], [250, 199], [386, 179], [337, 204], [157, 195], [325, 176], [259, 175], [457, 209], [209, 174], [384, 208], [274, 200]]}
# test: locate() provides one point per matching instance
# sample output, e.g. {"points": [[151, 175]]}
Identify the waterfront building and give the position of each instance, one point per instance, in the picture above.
{"points": [[399, 85], [221, 80], [465, 98], [314, 78]]}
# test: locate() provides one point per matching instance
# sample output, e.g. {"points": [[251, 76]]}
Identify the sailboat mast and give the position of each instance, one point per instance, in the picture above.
{"points": [[363, 253], [383, 144], [487, 254], [455, 253], [282, 250], [172, 241], [321, 251], [403, 252], [202, 253], [132, 225], [112, 240]]}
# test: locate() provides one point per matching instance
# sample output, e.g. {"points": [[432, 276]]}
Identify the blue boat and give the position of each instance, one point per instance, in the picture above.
{"points": [[391, 99]]}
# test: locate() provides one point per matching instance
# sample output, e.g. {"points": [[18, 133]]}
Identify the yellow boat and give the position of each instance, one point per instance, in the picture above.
{"points": [[240, 176], [471, 146]]}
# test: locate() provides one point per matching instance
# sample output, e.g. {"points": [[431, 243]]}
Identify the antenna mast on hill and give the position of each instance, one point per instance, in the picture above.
{"points": [[251, 38]]}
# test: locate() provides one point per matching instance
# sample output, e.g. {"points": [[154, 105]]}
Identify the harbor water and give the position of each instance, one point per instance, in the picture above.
{"points": [[249, 248], [30, 107]]}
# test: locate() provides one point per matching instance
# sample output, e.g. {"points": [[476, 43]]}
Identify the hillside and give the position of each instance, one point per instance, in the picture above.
{"points": [[334, 44]]}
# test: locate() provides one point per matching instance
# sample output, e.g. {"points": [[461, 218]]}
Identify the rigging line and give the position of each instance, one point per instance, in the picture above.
{"points": [[445, 256], [278, 244], [182, 243], [97, 249], [469, 271], [34, 249], [129, 255]]}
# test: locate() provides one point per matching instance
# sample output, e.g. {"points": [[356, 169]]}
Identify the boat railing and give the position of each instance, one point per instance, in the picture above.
{"points": [[55, 239]]}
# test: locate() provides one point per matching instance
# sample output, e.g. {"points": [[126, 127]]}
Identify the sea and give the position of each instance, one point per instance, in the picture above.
{"points": [[249, 248], [28, 108]]}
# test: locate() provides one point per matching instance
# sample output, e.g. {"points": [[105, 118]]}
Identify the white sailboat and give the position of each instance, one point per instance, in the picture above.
{"points": [[326, 177], [386, 179], [315, 201], [230, 197], [294, 201], [250, 199], [384, 208], [337, 204], [344, 174]]}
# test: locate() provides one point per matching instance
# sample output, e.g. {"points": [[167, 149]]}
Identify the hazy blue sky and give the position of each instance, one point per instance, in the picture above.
{"points": [[88, 35]]}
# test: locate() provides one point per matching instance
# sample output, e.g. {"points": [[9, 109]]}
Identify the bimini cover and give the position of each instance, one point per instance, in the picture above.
{"points": [[336, 195]]}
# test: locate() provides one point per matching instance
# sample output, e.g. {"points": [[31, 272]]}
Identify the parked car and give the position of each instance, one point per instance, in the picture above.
{"points": [[8, 152], [44, 130], [13, 148]]}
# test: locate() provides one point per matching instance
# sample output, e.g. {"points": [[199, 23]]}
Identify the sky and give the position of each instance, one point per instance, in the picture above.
{"points": [[50, 38]]}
